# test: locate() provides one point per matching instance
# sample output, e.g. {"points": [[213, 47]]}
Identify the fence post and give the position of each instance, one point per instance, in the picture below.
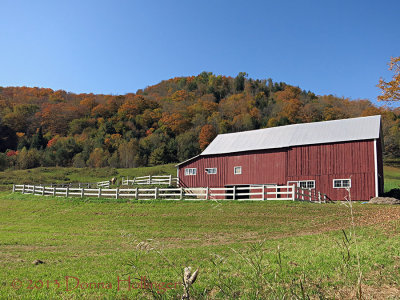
{"points": [[293, 193], [181, 194], [137, 193], [13, 188], [170, 179], [319, 197], [207, 192], [155, 192], [54, 191], [23, 189], [309, 195], [263, 192], [67, 191], [234, 192], [324, 198], [43, 190], [98, 192], [116, 193], [82, 192], [149, 179], [33, 192]]}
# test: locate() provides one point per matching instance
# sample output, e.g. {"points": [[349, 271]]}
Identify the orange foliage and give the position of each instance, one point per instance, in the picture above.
{"points": [[207, 134]]}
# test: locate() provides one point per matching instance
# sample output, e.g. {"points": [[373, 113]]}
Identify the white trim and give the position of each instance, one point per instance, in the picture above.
{"points": [[234, 170], [298, 183], [376, 170], [190, 171], [341, 187]]}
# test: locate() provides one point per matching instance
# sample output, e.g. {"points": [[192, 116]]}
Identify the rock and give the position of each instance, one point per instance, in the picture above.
{"points": [[384, 200], [37, 262]]}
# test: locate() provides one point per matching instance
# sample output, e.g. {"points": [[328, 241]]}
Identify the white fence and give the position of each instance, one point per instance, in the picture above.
{"points": [[103, 184], [256, 193], [151, 179]]}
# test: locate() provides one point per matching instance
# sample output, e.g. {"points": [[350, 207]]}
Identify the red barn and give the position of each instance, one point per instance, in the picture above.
{"points": [[326, 156]]}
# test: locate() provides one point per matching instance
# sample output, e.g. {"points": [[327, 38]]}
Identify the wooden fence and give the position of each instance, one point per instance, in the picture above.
{"points": [[256, 193], [151, 179]]}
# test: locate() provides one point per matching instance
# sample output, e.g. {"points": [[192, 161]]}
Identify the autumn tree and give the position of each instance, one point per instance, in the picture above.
{"points": [[391, 89], [207, 134]]}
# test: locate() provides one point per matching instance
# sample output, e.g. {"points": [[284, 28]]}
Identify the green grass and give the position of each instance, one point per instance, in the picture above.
{"points": [[62, 175], [246, 250], [234, 245], [392, 178]]}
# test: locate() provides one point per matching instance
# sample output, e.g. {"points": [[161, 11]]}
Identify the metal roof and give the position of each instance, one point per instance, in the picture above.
{"points": [[363, 128]]}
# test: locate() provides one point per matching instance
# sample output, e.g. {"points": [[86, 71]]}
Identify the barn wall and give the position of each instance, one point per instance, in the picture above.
{"points": [[321, 163], [258, 167], [326, 162]]}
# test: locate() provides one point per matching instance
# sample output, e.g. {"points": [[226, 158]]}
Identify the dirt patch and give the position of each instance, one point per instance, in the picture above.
{"points": [[384, 200]]}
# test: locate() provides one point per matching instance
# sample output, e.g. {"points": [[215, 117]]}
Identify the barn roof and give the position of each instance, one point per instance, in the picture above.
{"points": [[364, 128], [296, 135]]}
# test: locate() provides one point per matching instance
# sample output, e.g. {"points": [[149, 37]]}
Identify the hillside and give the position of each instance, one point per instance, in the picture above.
{"points": [[168, 122]]}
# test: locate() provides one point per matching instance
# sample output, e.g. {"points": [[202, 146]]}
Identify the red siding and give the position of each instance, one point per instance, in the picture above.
{"points": [[321, 163]]}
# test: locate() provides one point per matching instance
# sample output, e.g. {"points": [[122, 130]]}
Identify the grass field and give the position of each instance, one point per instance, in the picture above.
{"points": [[235, 246], [246, 250]]}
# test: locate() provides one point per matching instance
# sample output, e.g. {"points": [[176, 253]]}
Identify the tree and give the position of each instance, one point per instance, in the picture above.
{"points": [[128, 152], [207, 134], [391, 89]]}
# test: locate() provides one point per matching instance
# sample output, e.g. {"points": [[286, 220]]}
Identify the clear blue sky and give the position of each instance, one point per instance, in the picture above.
{"points": [[328, 47]]}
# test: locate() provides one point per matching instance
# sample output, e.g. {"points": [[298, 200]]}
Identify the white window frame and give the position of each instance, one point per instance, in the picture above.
{"points": [[341, 183], [211, 171], [307, 182], [239, 168], [190, 171]]}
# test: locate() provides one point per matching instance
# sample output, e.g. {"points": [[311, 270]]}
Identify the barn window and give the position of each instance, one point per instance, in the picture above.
{"points": [[237, 170], [307, 184], [211, 170], [341, 183], [190, 171]]}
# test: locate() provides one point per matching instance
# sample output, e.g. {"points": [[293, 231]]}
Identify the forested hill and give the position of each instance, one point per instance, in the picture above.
{"points": [[168, 122]]}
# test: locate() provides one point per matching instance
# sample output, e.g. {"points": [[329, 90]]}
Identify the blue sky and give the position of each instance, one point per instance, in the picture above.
{"points": [[328, 47]]}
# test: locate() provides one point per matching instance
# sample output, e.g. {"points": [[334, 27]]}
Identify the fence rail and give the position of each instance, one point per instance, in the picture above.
{"points": [[255, 193], [151, 179]]}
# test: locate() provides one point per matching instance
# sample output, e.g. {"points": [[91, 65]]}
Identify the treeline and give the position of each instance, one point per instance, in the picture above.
{"points": [[168, 122]]}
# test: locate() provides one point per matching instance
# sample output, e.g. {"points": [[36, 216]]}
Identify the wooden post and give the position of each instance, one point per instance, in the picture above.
{"points": [[13, 188], [23, 189], [98, 192], [263, 192], [116, 193], [54, 191], [82, 192], [207, 192], [234, 192], [67, 191], [155, 192], [319, 197], [181, 194], [137, 193], [43, 190], [149, 179], [33, 192], [170, 179], [293, 193], [309, 195]]}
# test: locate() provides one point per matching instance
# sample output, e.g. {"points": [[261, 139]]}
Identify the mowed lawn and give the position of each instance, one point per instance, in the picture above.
{"points": [[245, 250]]}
